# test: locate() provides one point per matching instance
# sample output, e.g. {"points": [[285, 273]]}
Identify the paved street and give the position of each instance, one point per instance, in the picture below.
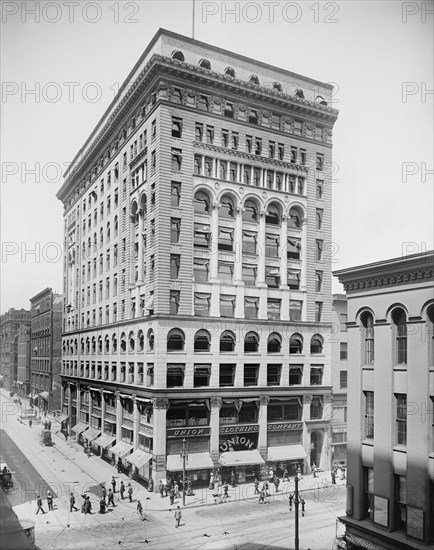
{"points": [[241, 523]]}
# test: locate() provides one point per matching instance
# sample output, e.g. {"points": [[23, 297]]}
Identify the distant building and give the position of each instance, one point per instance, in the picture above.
{"points": [[10, 323], [390, 403], [46, 348], [339, 380], [24, 355]]}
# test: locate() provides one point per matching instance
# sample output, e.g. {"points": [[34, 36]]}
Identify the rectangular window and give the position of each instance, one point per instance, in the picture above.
{"points": [[249, 143], [319, 189], [343, 379], [176, 160], [293, 155], [319, 249], [293, 279], [226, 239], [318, 280], [298, 126], [271, 149], [229, 110], [257, 176], [176, 127], [280, 151], [251, 373], [175, 195], [198, 132], [225, 272], [233, 171], [258, 146], [227, 305], [251, 307], [273, 308], [293, 248], [174, 301], [271, 246], [401, 502], [208, 167], [343, 350], [316, 376], [203, 102], [319, 218], [249, 275], [369, 414], [295, 307], [253, 116], [175, 261], [275, 120], [319, 132], [295, 374], [225, 138], [201, 304], [226, 375], [249, 242], [201, 375], [343, 317], [401, 419], [272, 276], [273, 374], [319, 162], [303, 156], [175, 230], [175, 375], [210, 134], [200, 270], [177, 95], [202, 235], [235, 140], [318, 312]]}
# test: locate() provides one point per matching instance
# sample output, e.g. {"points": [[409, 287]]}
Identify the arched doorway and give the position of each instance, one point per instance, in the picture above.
{"points": [[316, 440]]}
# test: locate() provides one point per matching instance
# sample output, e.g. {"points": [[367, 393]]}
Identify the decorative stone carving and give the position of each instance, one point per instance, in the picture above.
{"points": [[161, 403], [264, 400], [216, 402], [307, 399]]}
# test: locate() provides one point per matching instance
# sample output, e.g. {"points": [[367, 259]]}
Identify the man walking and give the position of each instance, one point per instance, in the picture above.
{"points": [[285, 475], [333, 474], [225, 492], [172, 495], [72, 503], [87, 506], [176, 489], [130, 492], [303, 503], [122, 489], [161, 488], [119, 465], [256, 487], [103, 493], [110, 499], [178, 515], [233, 478], [261, 496], [39, 505], [313, 470], [291, 498], [50, 501], [113, 484], [140, 510]]}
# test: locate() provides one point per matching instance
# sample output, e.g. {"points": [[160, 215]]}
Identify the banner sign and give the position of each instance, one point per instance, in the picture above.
{"points": [[237, 429], [187, 432], [280, 426]]}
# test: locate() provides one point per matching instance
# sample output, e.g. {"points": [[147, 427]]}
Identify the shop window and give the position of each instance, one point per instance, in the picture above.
{"points": [[226, 375], [227, 341], [175, 340], [273, 374]]}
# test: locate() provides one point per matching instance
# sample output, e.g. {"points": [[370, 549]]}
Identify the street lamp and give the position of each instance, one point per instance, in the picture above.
{"points": [[296, 504], [183, 456]]}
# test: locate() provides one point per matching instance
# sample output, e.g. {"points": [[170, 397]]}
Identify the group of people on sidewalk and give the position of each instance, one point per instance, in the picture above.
{"points": [[39, 503]]}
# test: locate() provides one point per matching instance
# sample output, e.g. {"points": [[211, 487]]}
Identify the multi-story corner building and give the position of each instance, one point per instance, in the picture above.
{"points": [[23, 360], [339, 380], [46, 347], [390, 403], [197, 274], [10, 323]]}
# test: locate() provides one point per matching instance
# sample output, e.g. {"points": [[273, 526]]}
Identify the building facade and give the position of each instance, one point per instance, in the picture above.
{"points": [[46, 348], [390, 403], [198, 273], [23, 360], [10, 323], [339, 351]]}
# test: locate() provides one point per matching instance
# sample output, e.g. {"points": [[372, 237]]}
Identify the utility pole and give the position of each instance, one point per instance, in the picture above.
{"points": [[183, 456], [296, 504]]}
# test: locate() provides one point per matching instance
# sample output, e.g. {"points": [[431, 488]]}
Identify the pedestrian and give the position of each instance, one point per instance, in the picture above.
{"points": [[151, 485], [119, 465], [83, 504], [303, 503], [285, 475], [110, 498], [265, 488], [72, 503], [102, 506], [343, 476], [313, 470], [211, 482], [49, 424], [225, 492], [89, 451], [30, 422], [50, 501], [261, 496], [176, 489], [333, 474], [178, 515], [172, 495], [233, 478], [291, 498], [189, 489], [161, 488], [276, 483], [271, 474], [87, 506], [113, 461], [122, 489], [103, 493], [39, 505], [130, 492], [85, 447], [256, 487], [113, 484], [140, 509], [299, 473]]}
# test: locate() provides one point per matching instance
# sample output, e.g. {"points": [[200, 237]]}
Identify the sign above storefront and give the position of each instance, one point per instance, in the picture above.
{"points": [[239, 429], [281, 426], [187, 432], [238, 443]]}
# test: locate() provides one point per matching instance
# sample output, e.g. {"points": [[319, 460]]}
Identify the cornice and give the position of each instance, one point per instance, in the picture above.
{"points": [[388, 280]]}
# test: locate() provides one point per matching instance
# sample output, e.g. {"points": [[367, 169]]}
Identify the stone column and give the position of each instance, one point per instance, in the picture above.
{"points": [[159, 454], [140, 279], [303, 258], [238, 239], [132, 252], [118, 417], [69, 406], [326, 448], [216, 403], [78, 419], [306, 432], [213, 260], [136, 423], [263, 425], [261, 249], [90, 407], [102, 418]]}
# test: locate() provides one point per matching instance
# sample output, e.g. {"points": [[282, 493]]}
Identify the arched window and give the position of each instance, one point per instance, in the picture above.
{"points": [[294, 218], [319, 99], [131, 341], [430, 334], [201, 203], [93, 349], [114, 343], [229, 71], [151, 340], [296, 344], [205, 64], [140, 340], [101, 236], [82, 345], [116, 226], [227, 341], [178, 55], [272, 217], [299, 93], [175, 340], [274, 344], [399, 319], [99, 344], [106, 344], [367, 321], [277, 86], [202, 341], [316, 344], [254, 79], [251, 342], [227, 207], [108, 232], [250, 213], [123, 342]]}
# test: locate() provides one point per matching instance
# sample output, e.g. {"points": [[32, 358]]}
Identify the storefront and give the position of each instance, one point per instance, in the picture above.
{"points": [[238, 446], [140, 464], [285, 449], [78, 429], [121, 450], [104, 442]]}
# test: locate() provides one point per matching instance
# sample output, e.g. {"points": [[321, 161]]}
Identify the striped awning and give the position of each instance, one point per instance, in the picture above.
{"points": [[238, 458], [91, 434], [194, 461], [121, 449], [363, 543], [105, 440], [139, 458], [80, 427], [286, 452]]}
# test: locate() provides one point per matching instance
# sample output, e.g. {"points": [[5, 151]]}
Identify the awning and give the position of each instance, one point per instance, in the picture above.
{"points": [[80, 427], [60, 418], [139, 458], [121, 449], [91, 434], [237, 458], [195, 461], [104, 440], [363, 543], [286, 452], [44, 395]]}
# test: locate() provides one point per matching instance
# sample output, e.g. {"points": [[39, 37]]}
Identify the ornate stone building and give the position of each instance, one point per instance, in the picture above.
{"points": [[198, 267], [390, 403]]}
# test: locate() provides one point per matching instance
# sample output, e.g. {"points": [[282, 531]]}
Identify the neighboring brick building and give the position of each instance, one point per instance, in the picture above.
{"points": [[46, 348], [339, 380], [390, 403], [197, 274], [10, 323], [24, 354]]}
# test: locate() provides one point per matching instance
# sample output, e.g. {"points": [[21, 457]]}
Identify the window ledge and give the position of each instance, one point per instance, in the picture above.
{"points": [[368, 442], [400, 448]]}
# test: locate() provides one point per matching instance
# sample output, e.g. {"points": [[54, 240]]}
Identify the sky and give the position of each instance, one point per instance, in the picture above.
{"points": [[62, 62]]}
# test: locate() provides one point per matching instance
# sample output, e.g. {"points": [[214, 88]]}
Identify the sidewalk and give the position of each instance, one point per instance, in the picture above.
{"points": [[67, 468]]}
